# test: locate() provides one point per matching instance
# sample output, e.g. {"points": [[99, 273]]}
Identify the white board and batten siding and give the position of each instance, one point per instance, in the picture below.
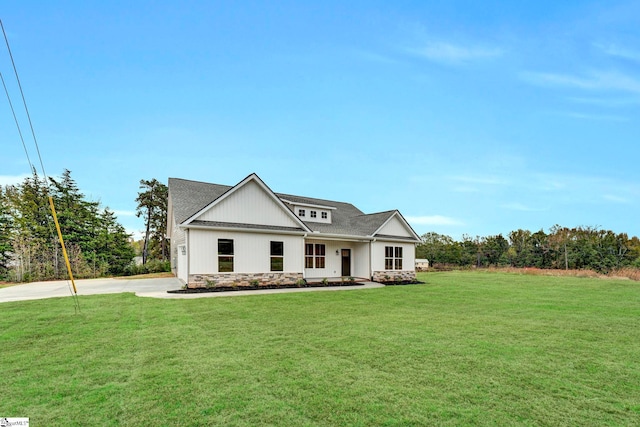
{"points": [[252, 251], [395, 227], [250, 204], [378, 252]]}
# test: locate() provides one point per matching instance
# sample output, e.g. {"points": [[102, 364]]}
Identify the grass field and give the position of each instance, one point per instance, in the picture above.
{"points": [[466, 348]]}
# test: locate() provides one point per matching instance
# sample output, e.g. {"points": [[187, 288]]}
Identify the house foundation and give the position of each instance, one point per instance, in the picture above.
{"points": [[243, 279], [394, 276]]}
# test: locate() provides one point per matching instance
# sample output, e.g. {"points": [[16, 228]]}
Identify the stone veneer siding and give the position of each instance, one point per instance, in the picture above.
{"points": [[394, 275], [243, 279]]}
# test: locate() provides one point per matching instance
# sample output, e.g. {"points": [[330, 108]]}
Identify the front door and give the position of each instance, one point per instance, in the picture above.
{"points": [[346, 262]]}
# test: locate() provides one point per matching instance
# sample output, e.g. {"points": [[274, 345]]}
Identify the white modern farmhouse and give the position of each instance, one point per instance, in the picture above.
{"points": [[247, 234]]}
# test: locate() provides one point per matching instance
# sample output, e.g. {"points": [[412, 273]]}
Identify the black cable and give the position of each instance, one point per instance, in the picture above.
{"points": [[35, 140], [17, 124]]}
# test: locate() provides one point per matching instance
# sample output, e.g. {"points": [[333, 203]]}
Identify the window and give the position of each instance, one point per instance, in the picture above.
{"points": [[324, 215], [301, 212], [398, 254], [393, 258], [308, 255], [225, 255], [319, 255], [314, 255], [277, 256], [312, 214], [388, 257]]}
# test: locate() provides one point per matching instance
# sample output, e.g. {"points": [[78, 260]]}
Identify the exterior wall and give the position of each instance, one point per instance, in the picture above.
{"points": [[176, 238], [333, 262], [181, 262], [250, 204], [395, 227], [360, 260], [243, 279], [307, 214], [377, 261], [252, 252], [393, 276]]}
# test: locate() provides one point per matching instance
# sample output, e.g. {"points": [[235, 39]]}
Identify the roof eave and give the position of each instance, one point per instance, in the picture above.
{"points": [[243, 229]]}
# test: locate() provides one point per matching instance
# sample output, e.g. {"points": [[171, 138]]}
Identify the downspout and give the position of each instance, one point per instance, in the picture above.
{"points": [[371, 258], [186, 241]]}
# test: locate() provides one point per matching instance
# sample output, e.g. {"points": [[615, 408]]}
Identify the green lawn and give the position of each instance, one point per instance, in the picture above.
{"points": [[472, 348]]}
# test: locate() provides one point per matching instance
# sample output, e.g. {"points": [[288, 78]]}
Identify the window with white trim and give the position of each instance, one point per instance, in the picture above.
{"points": [[393, 258]]}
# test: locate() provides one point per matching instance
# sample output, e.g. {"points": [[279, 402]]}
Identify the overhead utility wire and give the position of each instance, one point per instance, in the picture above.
{"points": [[24, 102], [46, 178], [16, 120]]}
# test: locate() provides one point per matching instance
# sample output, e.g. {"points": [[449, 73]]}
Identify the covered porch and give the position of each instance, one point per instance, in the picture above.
{"points": [[338, 259]]}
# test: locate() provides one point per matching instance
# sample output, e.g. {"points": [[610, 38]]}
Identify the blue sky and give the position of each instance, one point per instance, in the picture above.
{"points": [[469, 117]]}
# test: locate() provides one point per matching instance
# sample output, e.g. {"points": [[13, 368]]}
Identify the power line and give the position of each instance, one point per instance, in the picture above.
{"points": [[74, 294], [17, 124], [24, 102]]}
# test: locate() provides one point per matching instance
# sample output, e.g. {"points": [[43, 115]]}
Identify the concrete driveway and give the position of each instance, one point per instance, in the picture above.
{"points": [[155, 288], [63, 288]]}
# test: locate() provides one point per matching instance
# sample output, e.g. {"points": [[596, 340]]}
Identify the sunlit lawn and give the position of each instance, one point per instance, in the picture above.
{"points": [[463, 349]]}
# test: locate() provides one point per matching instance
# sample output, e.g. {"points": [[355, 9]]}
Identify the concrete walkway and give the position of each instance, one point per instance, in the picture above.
{"points": [[153, 288]]}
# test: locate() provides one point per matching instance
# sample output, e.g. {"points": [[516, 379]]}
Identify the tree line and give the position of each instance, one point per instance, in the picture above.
{"points": [[560, 248], [97, 244]]}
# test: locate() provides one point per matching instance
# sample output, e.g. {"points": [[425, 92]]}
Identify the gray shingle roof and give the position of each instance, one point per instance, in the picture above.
{"points": [[189, 197]]}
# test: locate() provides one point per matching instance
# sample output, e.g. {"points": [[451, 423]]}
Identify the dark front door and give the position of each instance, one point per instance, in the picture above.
{"points": [[346, 262]]}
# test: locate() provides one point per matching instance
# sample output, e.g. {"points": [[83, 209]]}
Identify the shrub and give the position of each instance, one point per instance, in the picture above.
{"points": [[152, 266]]}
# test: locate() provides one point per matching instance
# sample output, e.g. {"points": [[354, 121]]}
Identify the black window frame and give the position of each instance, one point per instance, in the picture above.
{"points": [[276, 251], [315, 255], [226, 255], [393, 256]]}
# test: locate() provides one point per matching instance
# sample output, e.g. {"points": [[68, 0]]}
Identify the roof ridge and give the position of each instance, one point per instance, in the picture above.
{"points": [[199, 182], [378, 213], [312, 198]]}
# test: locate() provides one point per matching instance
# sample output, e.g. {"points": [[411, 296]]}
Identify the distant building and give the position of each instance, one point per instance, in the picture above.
{"points": [[422, 264]]}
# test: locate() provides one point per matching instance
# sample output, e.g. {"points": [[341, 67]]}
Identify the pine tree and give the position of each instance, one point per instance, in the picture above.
{"points": [[6, 226], [152, 204]]}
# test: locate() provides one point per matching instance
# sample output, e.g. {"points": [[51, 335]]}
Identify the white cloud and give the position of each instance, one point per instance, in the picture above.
{"points": [[599, 117], [484, 180], [619, 51], [615, 199], [606, 102], [432, 220], [124, 213], [598, 80], [455, 54], [12, 179]]}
